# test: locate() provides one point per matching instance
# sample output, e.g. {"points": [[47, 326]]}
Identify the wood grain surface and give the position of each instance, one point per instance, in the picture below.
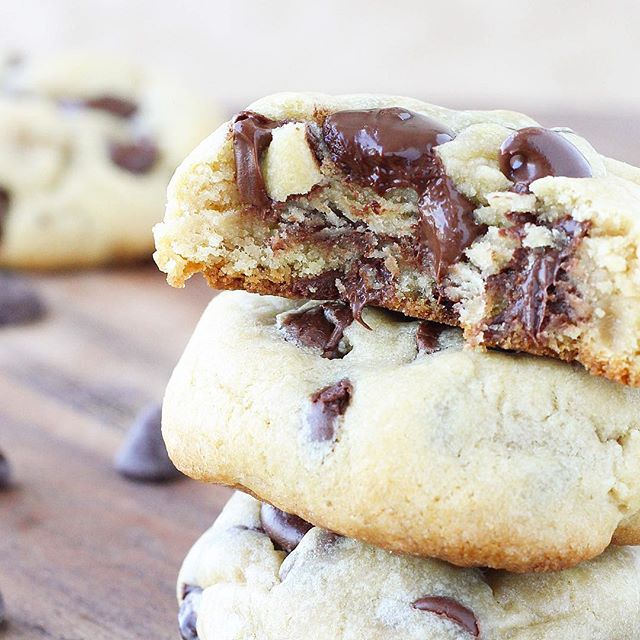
{"points": [[85, 554]]}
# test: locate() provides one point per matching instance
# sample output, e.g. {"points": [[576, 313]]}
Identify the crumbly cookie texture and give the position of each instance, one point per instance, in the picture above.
{"points": [[237, 583], [525, 237], [400, 437], [87, 147]]}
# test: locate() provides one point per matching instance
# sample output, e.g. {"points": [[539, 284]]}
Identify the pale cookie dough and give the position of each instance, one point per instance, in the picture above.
{"points": [[400, 437], [87, 147], [235, 584], [525, 237]]}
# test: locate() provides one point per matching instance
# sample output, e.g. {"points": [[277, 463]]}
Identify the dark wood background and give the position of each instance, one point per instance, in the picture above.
{"points": [[85, 554]]}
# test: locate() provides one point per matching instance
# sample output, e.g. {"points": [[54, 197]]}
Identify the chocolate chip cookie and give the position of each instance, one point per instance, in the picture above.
{"points": [[524, 236], [87, 147], [395, 434], [238, 581]]}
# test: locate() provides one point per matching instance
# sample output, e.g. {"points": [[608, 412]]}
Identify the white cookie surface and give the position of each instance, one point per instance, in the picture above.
{"points": [[490, 459], [87, 147], [338, 588]]}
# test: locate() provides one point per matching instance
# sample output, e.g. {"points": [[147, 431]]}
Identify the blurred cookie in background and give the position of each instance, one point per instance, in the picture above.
{"points": [[87, 147]]}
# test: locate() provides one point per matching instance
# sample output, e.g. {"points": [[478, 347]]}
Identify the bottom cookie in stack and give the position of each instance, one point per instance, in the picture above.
{"points": [[260, 573]]}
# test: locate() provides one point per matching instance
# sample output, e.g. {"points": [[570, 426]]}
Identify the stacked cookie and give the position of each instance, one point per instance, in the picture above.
{"points": [[407, 484]]}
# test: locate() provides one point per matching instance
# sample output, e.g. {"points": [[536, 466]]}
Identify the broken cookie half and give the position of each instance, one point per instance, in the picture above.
{"points": [[524, 236]]}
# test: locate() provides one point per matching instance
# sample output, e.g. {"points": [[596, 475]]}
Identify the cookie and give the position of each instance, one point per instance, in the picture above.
{"points": [[87, 147], [398, 436], [237, 582], [525, 237]]}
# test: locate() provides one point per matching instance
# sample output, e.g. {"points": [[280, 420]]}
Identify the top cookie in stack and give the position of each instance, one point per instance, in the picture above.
{"points": [[525, 237], [387, 427]]}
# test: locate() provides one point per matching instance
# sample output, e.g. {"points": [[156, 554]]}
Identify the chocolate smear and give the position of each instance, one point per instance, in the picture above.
{"points": [[19, 303], [320, 327], [143, 456], [533, 289], [450, 609], [535, 152], [427, 335], [285, 529], [395, 148], [136, 157], [252, 135], [327, 406], [188, 613]]}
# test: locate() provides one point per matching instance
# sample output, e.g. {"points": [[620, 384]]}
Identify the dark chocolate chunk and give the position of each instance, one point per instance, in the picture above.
{"points": [[321, 287], [327, 405], [535, 152], [533, 290], [5, 473], [427, 336], [285, 529], [119, 107], [251, 137], [395, 148], [368, 281], [450, 609], [5, 201], [19, 303], [143, 456], [447, 226], [188, 613], [320, 327], [136, 157]]}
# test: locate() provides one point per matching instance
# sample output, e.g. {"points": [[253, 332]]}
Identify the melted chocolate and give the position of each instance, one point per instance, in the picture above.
{"points": [[368, 281], [533, 289], [320, 327], [450, 609], [137, 157], [119, 107], [395, 148], [188, 613], [427, 336], [251, 137], [285, 529], [327, 405], [535, 152]]}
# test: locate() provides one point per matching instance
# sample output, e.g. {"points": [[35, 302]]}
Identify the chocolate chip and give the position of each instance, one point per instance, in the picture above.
{"points": [[251, 137], [532, 291], [119, 107], [19, 303], [5, 473], [327, 405], [136, 157], [320, 327], [450, 609], [535, 152], [427, 335], [5, 201], [143, 456], [188, 613], [285, 529]]}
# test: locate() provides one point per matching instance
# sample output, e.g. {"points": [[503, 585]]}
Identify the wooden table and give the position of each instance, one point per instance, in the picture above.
{"points": [[85, 554]]}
